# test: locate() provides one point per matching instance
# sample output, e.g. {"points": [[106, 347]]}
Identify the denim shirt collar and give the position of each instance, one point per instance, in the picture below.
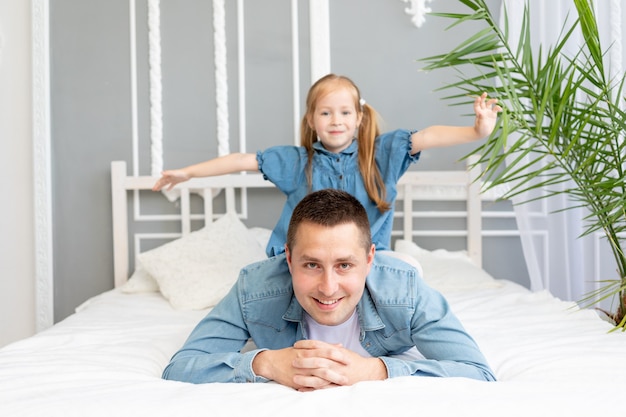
{"points": [[294, 312], [348, 151], [369, 319]]}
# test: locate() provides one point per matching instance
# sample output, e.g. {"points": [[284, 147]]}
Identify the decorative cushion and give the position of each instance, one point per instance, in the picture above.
{"points": [[197, 270], [448, 271]]}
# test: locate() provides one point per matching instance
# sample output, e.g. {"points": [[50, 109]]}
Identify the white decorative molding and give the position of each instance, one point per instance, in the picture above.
{"points": [[241, 74], [418, 11], [156, 87], [42, 188], [295, 70], [221, 79], [319, 17], [132, 26], [615, 53]]}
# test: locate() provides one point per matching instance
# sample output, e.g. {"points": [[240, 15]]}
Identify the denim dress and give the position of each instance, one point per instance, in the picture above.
{"points": [[285, 166]]}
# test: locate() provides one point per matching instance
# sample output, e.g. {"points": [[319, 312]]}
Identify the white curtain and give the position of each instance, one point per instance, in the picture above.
{"points": [[558, 259]]}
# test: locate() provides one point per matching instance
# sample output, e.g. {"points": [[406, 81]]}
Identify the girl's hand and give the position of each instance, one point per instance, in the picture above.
{"points": [[486, 115], [170, 179]]}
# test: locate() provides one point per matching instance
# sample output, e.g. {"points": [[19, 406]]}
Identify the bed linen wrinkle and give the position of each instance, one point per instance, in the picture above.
{"points": [[557, 341]]}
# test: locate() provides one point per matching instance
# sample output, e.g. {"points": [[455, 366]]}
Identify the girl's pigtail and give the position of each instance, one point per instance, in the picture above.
{"points": [[368, 132], [307, 138]]}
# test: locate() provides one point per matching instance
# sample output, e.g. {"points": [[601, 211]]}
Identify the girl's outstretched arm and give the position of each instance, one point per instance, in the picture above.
{"points": [[439, 136], [227, 164]]}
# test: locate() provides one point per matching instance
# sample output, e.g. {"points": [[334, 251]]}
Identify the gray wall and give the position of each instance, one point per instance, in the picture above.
{"points": [[373, 42]]}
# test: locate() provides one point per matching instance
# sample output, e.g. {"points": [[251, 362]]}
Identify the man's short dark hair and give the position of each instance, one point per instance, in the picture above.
{"points": [[330, 207]]}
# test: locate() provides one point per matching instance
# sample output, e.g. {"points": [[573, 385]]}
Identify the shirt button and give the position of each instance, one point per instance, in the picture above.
{"points": [[341, 177], [338, 160]]}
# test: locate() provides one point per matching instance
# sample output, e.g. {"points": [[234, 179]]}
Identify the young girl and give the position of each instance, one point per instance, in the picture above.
{"points": [[342, 148]]}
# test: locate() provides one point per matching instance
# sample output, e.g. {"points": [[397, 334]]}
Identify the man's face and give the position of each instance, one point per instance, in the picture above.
{"points": [[328, 267]]}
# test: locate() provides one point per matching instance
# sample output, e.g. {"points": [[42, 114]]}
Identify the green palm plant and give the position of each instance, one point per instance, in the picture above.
{"points": [[562, 126]]}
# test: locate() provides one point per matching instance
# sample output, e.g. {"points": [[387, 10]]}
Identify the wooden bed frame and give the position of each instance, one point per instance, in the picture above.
{"points": [[414, 186]]}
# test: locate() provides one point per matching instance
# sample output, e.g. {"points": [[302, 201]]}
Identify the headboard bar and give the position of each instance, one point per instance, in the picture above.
{"points": [[120, 222], [474, 210], [185, 211], [445, 186]]}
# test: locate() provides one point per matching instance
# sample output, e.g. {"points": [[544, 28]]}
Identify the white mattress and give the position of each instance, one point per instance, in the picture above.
{"points": [[550, 359]]}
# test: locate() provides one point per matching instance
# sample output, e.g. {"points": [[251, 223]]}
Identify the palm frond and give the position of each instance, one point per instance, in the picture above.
{"points": [[563, 122]]}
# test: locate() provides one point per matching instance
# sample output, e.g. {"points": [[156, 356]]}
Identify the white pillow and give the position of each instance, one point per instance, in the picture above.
{"points": [[140, 281], [197, 270], [261, 234], [448, 271]]}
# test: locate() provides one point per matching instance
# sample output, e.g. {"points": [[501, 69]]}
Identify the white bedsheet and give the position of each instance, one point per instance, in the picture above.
{"points": [[107, 359]]}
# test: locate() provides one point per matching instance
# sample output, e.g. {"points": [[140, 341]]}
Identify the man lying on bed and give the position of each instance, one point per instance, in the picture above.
{"points": [[328, 312]]}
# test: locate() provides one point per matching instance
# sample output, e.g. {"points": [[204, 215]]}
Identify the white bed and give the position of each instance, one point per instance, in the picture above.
{"points": [[549, 357]]}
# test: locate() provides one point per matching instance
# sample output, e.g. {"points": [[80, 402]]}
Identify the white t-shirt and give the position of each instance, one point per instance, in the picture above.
{"points": [[347, 334]]}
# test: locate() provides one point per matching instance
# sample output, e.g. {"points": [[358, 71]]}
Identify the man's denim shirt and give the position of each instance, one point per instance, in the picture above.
{"points": [[396, 312]]}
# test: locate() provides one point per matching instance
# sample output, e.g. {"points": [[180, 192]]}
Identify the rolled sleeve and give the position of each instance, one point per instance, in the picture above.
{"points": [[226, 367], [243, 371], [396, 367]]}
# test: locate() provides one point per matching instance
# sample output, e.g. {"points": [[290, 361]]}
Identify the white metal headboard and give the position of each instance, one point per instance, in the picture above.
{"points": [[414, 186]]}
